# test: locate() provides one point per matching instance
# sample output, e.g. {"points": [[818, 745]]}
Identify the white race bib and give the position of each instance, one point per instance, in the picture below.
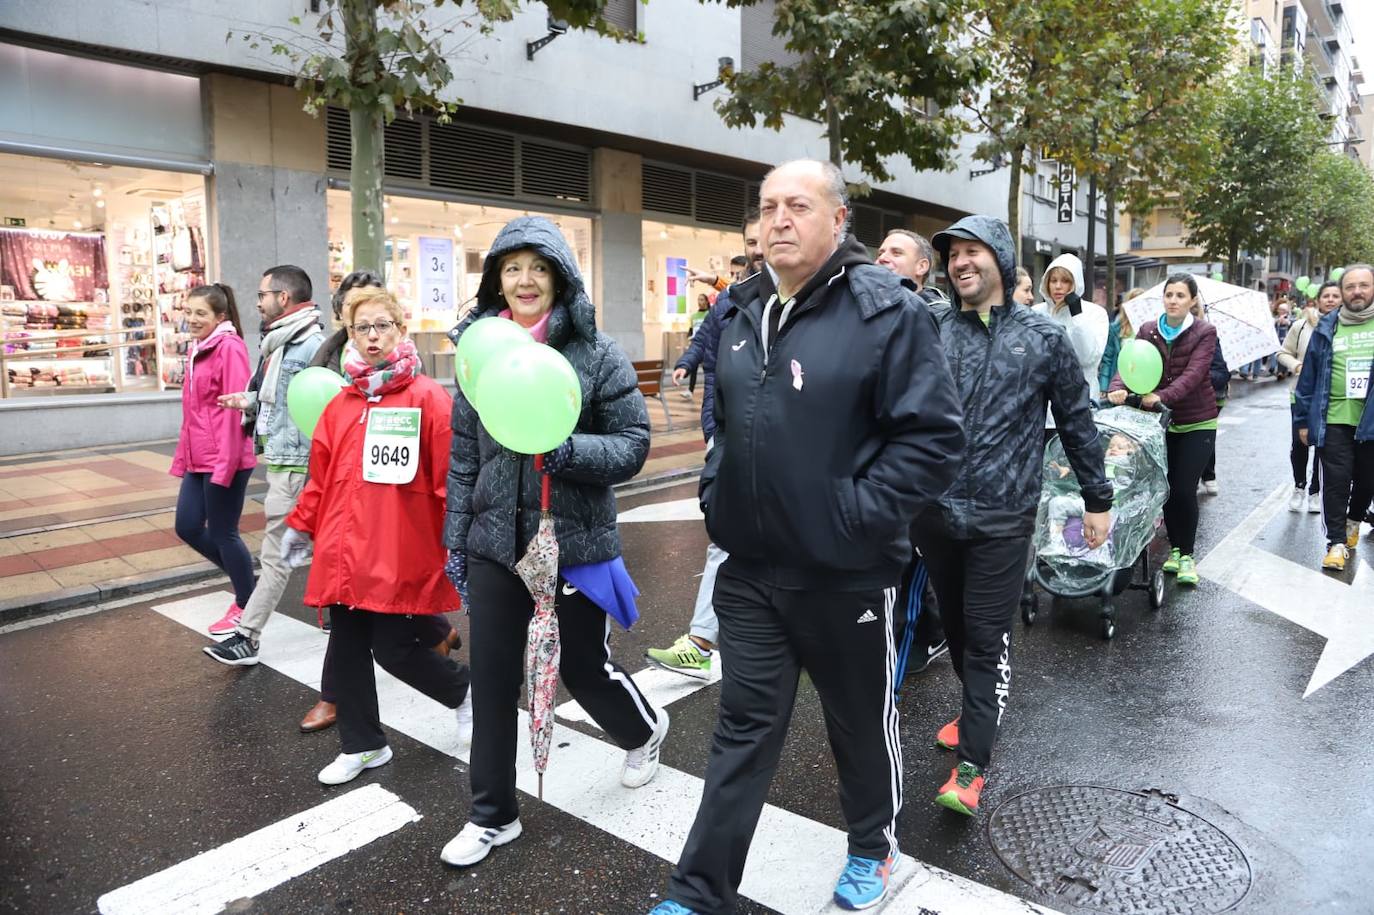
{"points": [[1357, 379], [391, 447]]}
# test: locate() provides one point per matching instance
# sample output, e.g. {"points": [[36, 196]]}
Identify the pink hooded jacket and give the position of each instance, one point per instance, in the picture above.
{"points": [[212, 438]]}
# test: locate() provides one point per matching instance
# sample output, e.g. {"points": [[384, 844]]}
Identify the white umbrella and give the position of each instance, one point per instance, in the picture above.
{"points": [[1245, 326]]}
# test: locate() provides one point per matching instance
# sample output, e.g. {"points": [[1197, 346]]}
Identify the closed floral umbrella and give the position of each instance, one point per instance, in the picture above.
{"points": [[538, 569]]}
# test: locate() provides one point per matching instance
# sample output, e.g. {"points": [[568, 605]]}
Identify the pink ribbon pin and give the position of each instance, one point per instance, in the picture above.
{"points": [[796, 375]]}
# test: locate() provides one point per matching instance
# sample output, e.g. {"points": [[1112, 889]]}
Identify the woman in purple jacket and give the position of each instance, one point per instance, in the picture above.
{"points": [[214, 455], [1186, 344]]}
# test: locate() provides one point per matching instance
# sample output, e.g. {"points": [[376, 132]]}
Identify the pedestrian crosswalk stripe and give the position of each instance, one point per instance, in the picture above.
{"points": [[253, 864], [793, 862]]}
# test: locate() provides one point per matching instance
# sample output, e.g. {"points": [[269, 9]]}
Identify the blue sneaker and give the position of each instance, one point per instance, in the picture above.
{"points": [[668, 907], [863, 884]]}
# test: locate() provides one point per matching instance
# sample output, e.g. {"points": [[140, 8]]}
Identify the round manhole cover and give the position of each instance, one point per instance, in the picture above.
{"points": [[1119, 851]]}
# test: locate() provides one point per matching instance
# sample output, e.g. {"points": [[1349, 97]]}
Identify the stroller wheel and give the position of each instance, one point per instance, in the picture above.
{"points": [[1157, 590], [1108, 628], [1030, 608]]}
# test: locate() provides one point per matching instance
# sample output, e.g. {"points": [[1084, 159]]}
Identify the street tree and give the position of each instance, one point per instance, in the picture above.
{"points": [[1154, 108], [882, 78], [1332, 212], [1267, 133], [1115, 88], [381, 58]]}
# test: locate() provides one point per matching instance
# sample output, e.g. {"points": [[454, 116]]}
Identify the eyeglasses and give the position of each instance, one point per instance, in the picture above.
{"points": [[381, 327], [263, 292]]}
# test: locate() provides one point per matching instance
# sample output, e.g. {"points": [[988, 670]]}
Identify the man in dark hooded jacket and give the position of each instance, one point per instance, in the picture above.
{"points": [[836, 422], [1008, 363]]}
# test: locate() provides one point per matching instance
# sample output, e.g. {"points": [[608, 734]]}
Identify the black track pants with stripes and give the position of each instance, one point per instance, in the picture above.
{"points": [[500, 610], [843, 639]]}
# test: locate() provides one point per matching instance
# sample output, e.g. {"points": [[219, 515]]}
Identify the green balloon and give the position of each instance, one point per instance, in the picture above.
{"points": [[1337, 273], [1303, 281], [1219, 276], [479, 343], [309, 393], [529, 398], [1140, 366]]}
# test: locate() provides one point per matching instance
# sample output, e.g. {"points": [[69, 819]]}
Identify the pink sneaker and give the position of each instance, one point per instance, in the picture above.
{"points": [[229, 622]]}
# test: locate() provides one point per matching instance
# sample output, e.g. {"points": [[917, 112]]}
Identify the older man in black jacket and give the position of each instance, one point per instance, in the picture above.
{"points": [[836, 422], [1008, 363]]}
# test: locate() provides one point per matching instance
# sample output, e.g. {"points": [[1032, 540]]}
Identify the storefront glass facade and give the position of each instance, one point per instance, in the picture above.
{"points": [[95, 261]]}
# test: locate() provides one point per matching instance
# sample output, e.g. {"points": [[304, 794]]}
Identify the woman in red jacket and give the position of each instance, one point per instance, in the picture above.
{"points": [[374, 506], [1186, 344], [214, 455]]}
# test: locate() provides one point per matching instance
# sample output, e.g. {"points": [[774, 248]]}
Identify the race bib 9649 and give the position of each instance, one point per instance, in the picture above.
{"points": [[391, 446]]}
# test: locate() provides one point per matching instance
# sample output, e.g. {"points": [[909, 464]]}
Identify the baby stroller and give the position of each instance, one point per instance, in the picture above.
{"points": [[1064, 565]]}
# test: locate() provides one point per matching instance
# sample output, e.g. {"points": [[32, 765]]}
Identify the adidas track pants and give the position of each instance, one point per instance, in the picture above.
{"points": [[767, 635]]}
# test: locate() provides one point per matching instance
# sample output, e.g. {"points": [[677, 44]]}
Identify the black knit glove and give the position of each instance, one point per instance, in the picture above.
{"points": [[1075, 304]]}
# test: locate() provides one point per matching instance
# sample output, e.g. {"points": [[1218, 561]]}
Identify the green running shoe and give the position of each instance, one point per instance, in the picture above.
{"points": [[684, 657], [1171, 564], [1187, 571]]}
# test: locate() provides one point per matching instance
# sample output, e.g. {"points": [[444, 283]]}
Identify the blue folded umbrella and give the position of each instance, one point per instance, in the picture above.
{"points": [[609, 586]]}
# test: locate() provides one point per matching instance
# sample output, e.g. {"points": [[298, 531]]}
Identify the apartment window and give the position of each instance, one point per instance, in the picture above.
{"points": [[1168, 222], [758, 44]]}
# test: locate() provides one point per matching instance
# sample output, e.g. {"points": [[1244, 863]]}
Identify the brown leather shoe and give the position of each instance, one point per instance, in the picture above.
{"points": [[320, 717], [452, 642]]}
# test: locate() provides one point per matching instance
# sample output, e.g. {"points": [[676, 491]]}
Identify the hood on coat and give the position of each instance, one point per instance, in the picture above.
{"points": [[992, 232], [572, 313], [1069, 262]]}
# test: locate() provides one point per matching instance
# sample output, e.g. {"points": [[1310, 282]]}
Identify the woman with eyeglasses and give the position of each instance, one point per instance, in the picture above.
{"points": [[434, 630], [374, 507]]}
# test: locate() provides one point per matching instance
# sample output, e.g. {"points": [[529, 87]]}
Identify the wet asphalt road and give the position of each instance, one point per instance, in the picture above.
{"points": [[129, 751]]}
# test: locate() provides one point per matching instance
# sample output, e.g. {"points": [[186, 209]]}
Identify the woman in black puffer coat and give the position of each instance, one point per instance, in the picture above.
{"points": [[530, 277]]}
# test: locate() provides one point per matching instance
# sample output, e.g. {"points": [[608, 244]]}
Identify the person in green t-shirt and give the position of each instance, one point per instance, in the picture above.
{"points": [[703, 309], [1329, 411]]}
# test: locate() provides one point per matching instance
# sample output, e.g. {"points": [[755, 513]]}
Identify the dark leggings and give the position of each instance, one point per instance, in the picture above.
{"points": [[1297, 456], [208, 520], [1348, 471], [1188, 455], [1209, 473]]}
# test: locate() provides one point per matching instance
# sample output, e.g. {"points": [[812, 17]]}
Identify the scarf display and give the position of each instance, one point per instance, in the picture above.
{"points": [[292, 327], [221, 329], [399, 369], [1350, 316], [1171, 333]]}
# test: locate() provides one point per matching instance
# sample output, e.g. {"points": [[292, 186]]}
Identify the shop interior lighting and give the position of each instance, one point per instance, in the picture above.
{"points": [[556, 27], [96, 192], [663, 234], [100, 204], [725, 67], [76, 223]]}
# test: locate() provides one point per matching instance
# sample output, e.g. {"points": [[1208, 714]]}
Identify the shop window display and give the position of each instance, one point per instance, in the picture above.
{"points": [[96, 308]]}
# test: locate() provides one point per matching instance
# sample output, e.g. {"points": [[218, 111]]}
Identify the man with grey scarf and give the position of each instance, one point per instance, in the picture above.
{"points": [[291, 334], [1329, 411]]}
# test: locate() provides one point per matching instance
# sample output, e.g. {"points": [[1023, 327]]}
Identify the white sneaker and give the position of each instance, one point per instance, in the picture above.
{"points": [[1298, 500], [347, 766], [1314, 503], [464, 713], [641, 763], [1210, 487], [473, 842]]}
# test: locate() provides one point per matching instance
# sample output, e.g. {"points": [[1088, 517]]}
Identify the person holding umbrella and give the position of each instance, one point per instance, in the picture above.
{"points": [[1186, 344], [374, 504], [494, 515]]}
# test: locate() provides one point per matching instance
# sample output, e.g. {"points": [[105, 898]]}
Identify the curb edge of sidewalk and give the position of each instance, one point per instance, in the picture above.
{"points": [[20, 609]]}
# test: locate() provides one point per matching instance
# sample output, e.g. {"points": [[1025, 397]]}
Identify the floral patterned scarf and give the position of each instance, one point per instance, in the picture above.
{"points": [[395, 373]]}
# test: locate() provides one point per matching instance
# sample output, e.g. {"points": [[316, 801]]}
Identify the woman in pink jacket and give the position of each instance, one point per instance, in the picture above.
{"points": [[214, 455]]}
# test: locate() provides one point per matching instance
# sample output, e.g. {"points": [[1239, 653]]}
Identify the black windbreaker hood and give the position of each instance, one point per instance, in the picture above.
{"points": [[992, 232], [573, 312]]}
